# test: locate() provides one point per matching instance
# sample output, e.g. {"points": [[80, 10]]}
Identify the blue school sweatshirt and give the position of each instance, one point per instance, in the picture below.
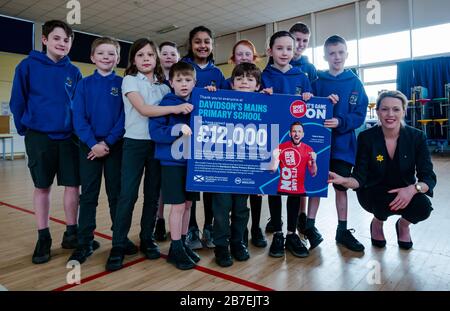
{"points": [[305, 66], [207, 76], [161, 131], [98, 109], [350, 110], [292, 82], [42, 95]]}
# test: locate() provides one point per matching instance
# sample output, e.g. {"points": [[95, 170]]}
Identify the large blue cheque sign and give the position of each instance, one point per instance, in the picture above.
{"points": [[253, 143]]}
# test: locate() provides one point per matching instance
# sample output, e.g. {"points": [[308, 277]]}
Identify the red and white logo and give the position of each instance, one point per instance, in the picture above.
{"points": [[298, 108]]}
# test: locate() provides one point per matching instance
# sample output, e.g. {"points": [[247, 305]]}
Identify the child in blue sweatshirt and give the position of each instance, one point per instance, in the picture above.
{"points": [[200, 56], [349, 112], [301, 34], [98, 120], [283, 78], [167, 131], [42, 92]]}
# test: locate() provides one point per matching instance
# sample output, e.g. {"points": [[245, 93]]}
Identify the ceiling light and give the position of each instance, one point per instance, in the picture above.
{"points": [[167, 29]]}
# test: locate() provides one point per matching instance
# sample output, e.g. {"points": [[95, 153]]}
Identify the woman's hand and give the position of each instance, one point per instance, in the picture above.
{"points": [[404, 196]]}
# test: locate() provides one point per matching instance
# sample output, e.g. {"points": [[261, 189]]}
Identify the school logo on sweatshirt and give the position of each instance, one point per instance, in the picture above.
{"points": [[115, 91], [69, 82], [298, 90], [353, 98]]}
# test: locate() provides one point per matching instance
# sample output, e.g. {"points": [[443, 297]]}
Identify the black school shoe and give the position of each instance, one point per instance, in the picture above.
{"points": [[178, 256], [115, 259], [258, 238], [82, 252], [150, 249], [69, 241], [239, 252], [346, 238], [295, 246], [314, 237], [223, 256], [277, 246], [130, 248], [42, 251], [193, 255]]}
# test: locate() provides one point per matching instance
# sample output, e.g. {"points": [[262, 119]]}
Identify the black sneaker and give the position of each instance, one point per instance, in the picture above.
{"points": [[160, 230], [115, 259], [42, 251], [81, 253], [150, 249], [346, 238], [277, 246], [178, 256], [69, 241], [313, 236], [301, 223], [295, 246], [239, 252], [223, 256], [130, 248], [258, 238]]}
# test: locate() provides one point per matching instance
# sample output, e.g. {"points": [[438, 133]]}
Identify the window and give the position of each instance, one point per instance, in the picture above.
{"points": [[373, 90], [377, 74], [385, 47], [431, 40]]}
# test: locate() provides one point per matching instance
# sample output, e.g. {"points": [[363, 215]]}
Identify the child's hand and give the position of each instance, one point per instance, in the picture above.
{"points": [[186, 130], [331, 123], [211, 88], [307, 96], [98, 150], [183, 108], [334, 98], [268, 91]]}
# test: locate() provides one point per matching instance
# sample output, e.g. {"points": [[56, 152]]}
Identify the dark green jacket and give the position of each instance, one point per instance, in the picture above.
{"points": [[414, 158]]}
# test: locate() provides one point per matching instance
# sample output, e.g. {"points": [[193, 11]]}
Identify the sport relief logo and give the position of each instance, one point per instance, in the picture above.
{"points": [[291, 158], [298, 109]]}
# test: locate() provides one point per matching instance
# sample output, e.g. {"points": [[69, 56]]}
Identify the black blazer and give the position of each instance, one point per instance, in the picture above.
{"points": [[414, 158]]}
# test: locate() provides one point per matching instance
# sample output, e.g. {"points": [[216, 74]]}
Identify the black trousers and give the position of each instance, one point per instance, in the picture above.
{"points": [[226, 207], [138, 158], [91, 172], [376, 201]]}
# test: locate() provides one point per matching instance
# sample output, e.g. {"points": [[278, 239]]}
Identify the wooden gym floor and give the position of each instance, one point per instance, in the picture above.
{"points": [[329, 267]]}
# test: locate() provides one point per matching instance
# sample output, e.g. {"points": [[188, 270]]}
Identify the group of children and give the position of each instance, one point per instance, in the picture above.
{"points": [[80, 129]]}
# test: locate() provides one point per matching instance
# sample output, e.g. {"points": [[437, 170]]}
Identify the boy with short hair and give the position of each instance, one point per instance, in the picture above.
{"points": [[302, 34], [165, 131], [350, 101], [230, 211], [98, 117], [43, 88]]}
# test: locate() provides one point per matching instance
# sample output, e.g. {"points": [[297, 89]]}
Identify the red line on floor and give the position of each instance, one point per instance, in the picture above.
{"points": [[215, 273]]}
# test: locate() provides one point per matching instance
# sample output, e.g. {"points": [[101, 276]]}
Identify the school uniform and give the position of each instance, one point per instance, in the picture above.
{"points": [[165, 130], [98, 115], [350, 111], [305, 66], [293, 82], [138, 154], [41, 98]]}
